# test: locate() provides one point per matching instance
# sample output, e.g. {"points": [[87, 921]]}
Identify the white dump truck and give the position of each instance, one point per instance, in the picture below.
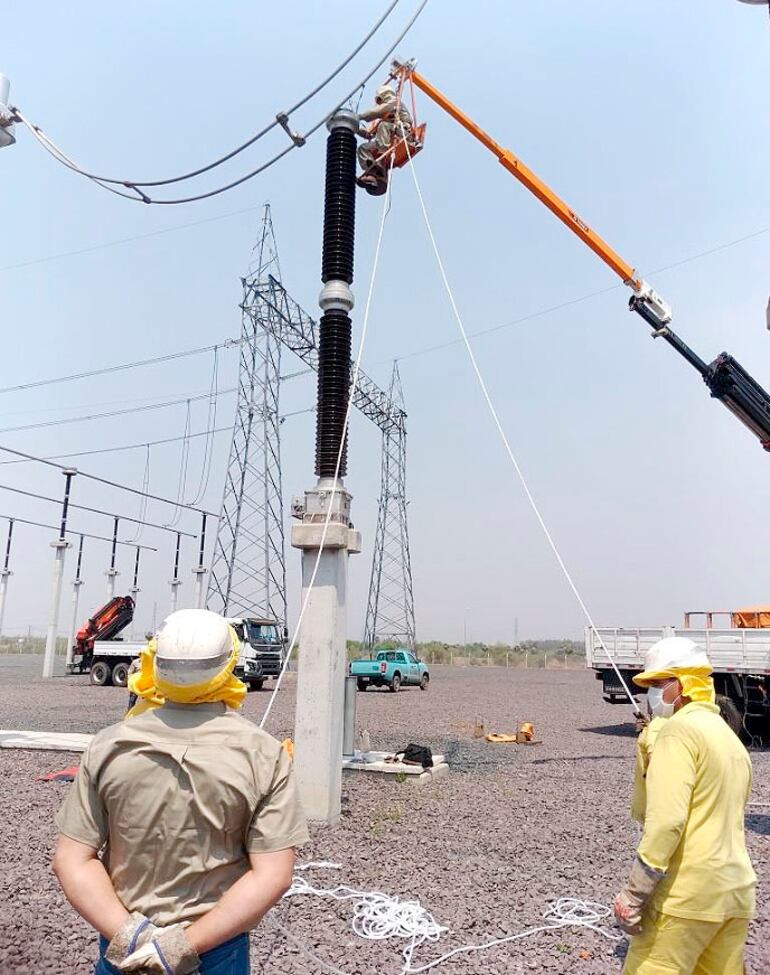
{"points": [[738, 645]]}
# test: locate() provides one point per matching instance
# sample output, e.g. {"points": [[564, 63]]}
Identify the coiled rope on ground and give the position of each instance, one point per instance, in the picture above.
{"points": [[377, 916]]}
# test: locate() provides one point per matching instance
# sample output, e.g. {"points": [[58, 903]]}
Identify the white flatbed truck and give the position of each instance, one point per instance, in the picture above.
{"points": [[740, 656]]}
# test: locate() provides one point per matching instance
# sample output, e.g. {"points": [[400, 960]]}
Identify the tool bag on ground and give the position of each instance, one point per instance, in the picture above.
{"points": [[416, 755]]}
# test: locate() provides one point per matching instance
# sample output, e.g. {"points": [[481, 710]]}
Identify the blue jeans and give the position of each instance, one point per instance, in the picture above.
{"points": [[231, 958]]}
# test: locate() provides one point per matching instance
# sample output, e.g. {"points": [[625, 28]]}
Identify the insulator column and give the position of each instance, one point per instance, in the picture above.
{"points": [[333, 392], [5, 574], [77, 582], [60, 547], [336, 298], [325, 535]]}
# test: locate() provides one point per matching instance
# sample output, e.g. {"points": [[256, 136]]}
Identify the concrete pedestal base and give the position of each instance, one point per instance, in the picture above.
{"points": [[322, 659], [375, 764]]}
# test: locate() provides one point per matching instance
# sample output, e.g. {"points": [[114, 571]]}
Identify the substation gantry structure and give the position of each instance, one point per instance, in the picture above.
{"points": [[248, 573]]}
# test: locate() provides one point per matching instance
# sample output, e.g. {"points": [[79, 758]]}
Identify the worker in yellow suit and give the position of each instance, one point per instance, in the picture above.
{"points": [[690, 893]]}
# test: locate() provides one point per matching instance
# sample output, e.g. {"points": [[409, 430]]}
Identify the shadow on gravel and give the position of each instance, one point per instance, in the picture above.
{"points": [[580, 758], [758, 823], [467, 757], [616, 730]]}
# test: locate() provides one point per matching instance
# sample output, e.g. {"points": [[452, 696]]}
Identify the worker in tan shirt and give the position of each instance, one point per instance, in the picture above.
{"points": [[194, 811]]}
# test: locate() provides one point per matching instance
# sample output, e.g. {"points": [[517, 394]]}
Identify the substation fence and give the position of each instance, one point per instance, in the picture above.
{"points": [[510, 659]]}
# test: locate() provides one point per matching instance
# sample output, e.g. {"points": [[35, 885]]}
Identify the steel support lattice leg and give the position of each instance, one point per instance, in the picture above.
{"points": [[390, 606], [248, 572]]}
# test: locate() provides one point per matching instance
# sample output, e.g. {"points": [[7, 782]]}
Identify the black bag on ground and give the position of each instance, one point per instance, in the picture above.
{"points": [[416, 755]]}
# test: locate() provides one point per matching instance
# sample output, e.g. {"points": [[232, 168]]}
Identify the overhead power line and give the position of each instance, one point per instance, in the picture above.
{"points": [[130, 446], [119, 367], [580, 298], [101, 416], [93, 511], [129, 240], [251, 140], [139, 196], [144, 443], [228, 343], [104, 480], [74, 531]]}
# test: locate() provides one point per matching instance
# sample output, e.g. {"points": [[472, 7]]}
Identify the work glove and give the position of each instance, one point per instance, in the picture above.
{"points": [[632, 899], [640, 722], [168, 953], [135, 931]]}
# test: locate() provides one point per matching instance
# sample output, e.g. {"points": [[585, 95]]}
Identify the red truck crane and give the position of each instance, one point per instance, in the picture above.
{"points": [[96, 649]]}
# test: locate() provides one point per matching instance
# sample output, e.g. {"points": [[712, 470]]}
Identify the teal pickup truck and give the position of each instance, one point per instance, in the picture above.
{"points": [[393, 669]]}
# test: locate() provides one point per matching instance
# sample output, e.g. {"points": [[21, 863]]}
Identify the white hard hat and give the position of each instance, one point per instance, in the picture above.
{"points": [[383, 93], [671, 654], [193, 646]]}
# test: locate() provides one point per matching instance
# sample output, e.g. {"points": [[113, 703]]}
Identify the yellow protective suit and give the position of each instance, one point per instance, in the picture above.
{"points": [[698, 781], [697, 686], [675, 946], [644, 745]]}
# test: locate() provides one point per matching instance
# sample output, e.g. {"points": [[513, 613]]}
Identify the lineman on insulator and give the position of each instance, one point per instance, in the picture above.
{"points": [[690, 893], [194, 808], [390, 121]]}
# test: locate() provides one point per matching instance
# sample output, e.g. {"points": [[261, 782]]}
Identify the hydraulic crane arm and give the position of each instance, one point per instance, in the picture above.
{"points": [[727, 380], [546, 195]]}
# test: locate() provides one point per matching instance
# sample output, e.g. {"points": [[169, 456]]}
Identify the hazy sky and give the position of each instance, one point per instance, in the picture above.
{"points": [[650, 119]]}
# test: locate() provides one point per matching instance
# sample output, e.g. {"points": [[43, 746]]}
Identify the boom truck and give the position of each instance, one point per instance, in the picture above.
{"points": [[741, 652], [100, 651], [726, 379]]}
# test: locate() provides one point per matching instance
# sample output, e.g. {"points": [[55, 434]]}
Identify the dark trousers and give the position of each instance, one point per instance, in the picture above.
{"points": [[231, 958]]}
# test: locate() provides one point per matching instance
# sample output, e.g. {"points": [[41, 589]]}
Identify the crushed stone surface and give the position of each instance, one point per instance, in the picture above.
{"points": [[485, 850]]}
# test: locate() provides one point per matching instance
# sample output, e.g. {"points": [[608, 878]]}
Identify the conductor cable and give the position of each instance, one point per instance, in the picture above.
{"points": [[139, 196]]}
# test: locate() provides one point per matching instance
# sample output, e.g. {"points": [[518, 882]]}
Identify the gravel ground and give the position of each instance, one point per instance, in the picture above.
{"points": [[485, 850]]}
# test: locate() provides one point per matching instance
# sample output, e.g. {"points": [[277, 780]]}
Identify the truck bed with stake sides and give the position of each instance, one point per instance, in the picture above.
{"points": [[740, 657]]}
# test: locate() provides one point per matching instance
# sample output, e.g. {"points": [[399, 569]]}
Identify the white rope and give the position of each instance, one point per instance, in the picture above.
{"points": [[353, 386], [317, 865], [503, 436], [378, 917]]}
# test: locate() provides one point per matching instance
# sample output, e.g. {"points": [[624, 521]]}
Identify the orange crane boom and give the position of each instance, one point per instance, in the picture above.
{"points": [[726, 379], [545, 194]]}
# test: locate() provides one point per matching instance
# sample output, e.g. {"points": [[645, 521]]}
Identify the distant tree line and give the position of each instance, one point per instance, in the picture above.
{"points": [[528, 653]]}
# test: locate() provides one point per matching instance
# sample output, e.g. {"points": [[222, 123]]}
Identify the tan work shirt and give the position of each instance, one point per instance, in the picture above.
{"points": [[179, 796]]}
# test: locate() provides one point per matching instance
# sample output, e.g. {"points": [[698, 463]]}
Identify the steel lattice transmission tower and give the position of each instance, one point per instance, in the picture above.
{"points": [[248, 570], [390, 606], [248, 573]]}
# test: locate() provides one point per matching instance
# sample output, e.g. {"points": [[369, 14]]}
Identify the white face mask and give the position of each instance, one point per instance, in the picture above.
{"points": [[659, 707]]}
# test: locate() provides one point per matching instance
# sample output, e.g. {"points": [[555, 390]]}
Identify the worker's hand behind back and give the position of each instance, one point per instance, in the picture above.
{"points": [[168, 953], [132, 934]]}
